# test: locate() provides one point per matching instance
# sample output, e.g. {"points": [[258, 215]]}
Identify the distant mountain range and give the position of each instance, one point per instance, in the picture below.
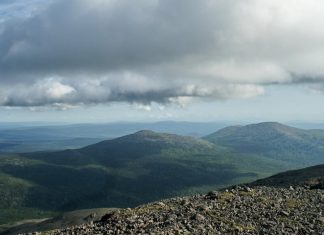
{"points": [[273, 140], [147, 166], [30, 137]]}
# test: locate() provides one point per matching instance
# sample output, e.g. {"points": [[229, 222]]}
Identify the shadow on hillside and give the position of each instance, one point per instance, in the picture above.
{"points": [[64, 188]]}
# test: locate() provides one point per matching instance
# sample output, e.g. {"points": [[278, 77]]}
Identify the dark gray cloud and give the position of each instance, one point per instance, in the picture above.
{"points": [[99, 51], [105, 35]]}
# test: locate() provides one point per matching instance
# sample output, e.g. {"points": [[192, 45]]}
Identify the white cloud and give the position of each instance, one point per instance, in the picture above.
{"points": [[142, 107], [47, 91], [60, 92], [54, 89], [158, 51]]}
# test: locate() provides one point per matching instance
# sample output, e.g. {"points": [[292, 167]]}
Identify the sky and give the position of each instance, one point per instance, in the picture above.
{"points": [[153, 60]]}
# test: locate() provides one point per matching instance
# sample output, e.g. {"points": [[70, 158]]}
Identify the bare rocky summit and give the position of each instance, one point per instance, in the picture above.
{"points": [[239, 210]]}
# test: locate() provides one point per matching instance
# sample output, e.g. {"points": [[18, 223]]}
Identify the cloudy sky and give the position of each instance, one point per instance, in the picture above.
{"points": [[117, 60]]}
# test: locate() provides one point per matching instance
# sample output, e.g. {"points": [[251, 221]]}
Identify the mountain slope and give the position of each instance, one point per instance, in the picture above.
{"points": [[68, 219], [261, 210], [136, 169], [312, 177], [237, 210], [122, 172], [241, 209], [126, 149], [275, 141]]}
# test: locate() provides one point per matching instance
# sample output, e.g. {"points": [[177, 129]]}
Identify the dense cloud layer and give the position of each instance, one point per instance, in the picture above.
{"points": [[125, 87], [100, 51]]}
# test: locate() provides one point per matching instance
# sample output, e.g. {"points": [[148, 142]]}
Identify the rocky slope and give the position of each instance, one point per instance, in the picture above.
{"points": [[68, 219], [240, 210]]}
